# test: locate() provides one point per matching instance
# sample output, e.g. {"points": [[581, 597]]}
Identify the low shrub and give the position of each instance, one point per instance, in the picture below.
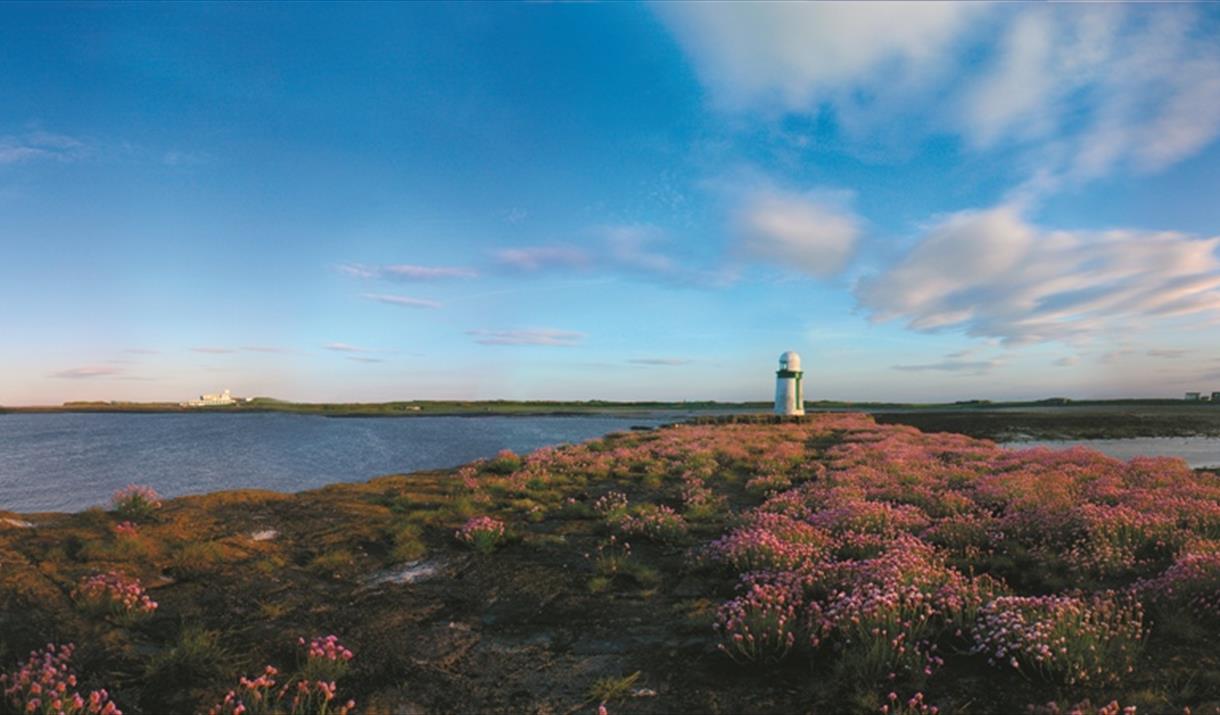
{"points": [[136, 502], [1068, 639], [482, 533], [113, 594]]}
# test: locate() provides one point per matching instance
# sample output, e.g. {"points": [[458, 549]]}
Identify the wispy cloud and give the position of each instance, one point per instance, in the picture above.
{"points": [[993, 274], [1109, 85], [1067, 361], [142, 351], [536, 258], [402, 300], [364, 359], [345, 348], [407, 272], [631, 250], [1167, 353], [537, 336], [39, 144], [213, 350], [973, 367], [88, 372], [265, 349], [660, 361]]}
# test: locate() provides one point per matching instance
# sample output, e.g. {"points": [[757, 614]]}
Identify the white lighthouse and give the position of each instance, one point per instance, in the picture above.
{"points": [[789, 397]]}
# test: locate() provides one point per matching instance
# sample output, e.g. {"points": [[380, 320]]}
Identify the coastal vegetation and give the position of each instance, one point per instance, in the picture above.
{"points": [[826, 564]]}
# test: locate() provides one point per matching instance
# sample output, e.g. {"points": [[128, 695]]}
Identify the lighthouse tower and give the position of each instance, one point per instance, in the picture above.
{"points": [[789, 397]]}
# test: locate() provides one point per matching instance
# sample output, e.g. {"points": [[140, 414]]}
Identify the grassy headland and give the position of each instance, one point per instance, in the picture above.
{"points": [[775, 566]]}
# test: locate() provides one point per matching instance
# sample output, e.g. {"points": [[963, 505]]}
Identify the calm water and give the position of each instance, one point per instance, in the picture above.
{"points": [[1197, 451], [68, 462]]}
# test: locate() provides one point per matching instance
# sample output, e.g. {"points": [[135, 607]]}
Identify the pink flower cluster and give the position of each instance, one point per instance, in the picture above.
{"points": [[326, 659], [870, 558], [483, 533], [45, 684], [1066, 638], [769, 541], [136, 501], [312, 691], [610, 503], [114, 593], [762, 625], [260, 696], [126, 529], [327, 648], [1085, 708], [654, 522], [1191, 583], [915, 705]]}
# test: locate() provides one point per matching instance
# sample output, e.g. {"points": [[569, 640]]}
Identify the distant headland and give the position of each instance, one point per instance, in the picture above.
{"points": [[1049, 418]]}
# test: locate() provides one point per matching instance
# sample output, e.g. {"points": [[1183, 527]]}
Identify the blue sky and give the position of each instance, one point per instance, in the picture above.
{"points": [[614, 201]]}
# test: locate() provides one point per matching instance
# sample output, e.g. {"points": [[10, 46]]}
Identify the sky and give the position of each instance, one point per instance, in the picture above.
{"points": [[930, 202]]}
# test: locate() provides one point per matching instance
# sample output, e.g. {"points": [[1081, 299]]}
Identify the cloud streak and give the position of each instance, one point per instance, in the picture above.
{"points": [[639, 251], [407, 272], [973, 367], [537, 258], [667, 362], [345, 348], [88, 372], [402, 301], [538, 336]]}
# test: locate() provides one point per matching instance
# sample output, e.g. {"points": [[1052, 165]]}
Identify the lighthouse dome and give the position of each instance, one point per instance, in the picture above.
{"points": [[790, 361]]}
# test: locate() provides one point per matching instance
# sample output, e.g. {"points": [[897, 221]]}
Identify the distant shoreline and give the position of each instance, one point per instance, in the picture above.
{"points": [[1054, 419]]}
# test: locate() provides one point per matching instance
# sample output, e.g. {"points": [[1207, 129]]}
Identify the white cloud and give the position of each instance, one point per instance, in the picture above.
{"points": [[1080, 89], [1067, 361], [793, 56], [993, 274], [402, 300], [667, 362], [407, 272], [1167, 353], [536, 336], [798, 231]]}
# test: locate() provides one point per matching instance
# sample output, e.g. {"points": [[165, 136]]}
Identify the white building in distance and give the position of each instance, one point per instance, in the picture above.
{"points": [[224, 398], [789, 395]]}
